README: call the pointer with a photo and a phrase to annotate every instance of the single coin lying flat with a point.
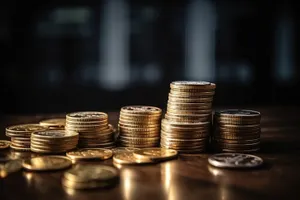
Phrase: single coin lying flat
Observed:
(235, 160)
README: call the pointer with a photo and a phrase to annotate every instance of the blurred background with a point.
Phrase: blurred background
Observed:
(74, 55)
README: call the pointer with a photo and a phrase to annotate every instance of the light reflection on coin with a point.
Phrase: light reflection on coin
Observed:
(90, 153)
(157, 154)
(128, 158)
(4, 144)
(47, 163)
(235, 160)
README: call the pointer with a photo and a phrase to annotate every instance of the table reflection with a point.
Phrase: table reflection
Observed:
(171, 186)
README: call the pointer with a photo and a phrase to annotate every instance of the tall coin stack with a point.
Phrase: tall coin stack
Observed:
(139, 126)
(188, 118)
(20, 135)
(93, 128)
(53, 141)
(236, 131)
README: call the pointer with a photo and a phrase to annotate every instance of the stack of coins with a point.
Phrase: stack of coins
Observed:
(139, 126)
(188, 118)
(90, 177)
(236, 131)
(53, 141)
(93, 128)
(56, 123)
(20, 135)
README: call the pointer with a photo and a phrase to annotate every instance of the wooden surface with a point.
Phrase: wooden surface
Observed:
(188, 177)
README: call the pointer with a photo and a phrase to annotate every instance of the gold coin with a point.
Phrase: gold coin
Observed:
(47, 163)
(84, 185)
(133, 145)
(188, 112)
(238, 113)
(89, 172)
(23, 129)
(19, 148)
(184, 124)
(90, 153)
(192, 85)
(156, 154)
(124, 149)
(193, 94)
(180, 148)
(55, 122)
(129, 159)
(58, 134)
(239, 141)
(87, 116)
(139, 109)
(10, 167)
(237, 150)
(4, 144)
(175, 99)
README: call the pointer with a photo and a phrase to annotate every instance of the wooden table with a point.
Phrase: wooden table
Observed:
(188, 177)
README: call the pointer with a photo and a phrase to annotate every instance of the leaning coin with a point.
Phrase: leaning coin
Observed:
(4, 144)
(47, 163)
(90, 153)
(128, 158)
(235, 160)
(10, 167)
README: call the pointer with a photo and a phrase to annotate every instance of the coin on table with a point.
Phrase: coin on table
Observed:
(128, 158)
(53, 123)
(10, 167)
(139, 109)
(47, 163)
(90, 153)
(4, 144)
(23, 130)
(124, 149)
(235, 160)
(86, 116)
(156, 154)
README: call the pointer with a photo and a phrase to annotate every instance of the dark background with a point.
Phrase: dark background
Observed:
(62, 56)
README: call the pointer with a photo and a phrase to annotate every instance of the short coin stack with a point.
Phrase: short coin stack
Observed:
(93, 128)
(53, 141)
(187, 121)
(90, 177)
(20, 135)
(236, 131)
(139, 126)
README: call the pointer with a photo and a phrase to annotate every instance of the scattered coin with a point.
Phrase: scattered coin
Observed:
(128, 158)
(235, 160)
(90, 177)
(156, 154)
(10, 167)
(47, 163)
(4, 144)
(124, 149)
(90, 154)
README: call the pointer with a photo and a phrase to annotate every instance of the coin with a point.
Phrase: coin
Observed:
(128, 158)
(139, 109)
(47, 163)
(53, 123)
(4, 144)
(238, 113)
(88, 172)
(10, 167)
(235, 160)
(192, 85)
(156, 154)
(25, 128)
(87, 116)
(124, 149)
(90, 153)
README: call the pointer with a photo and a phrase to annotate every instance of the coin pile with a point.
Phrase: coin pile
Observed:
(236, 131)
(56, 123)
(93, 128)
(143, 156)
(90, 177)
(20, 135)
(139, 126)
(53, 141)
(187, 122)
